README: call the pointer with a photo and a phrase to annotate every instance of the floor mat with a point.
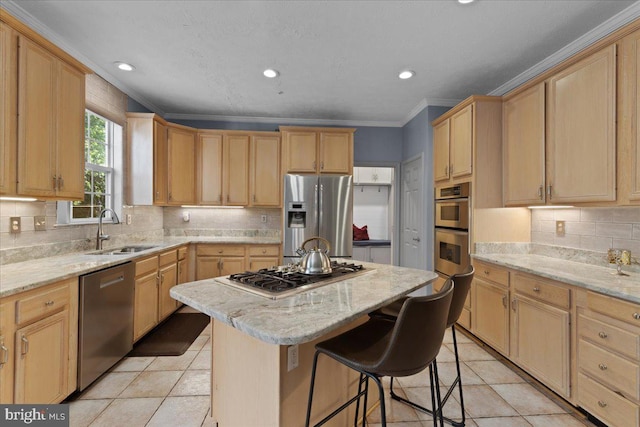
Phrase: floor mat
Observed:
(172, 337)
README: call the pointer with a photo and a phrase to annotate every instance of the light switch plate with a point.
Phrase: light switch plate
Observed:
(40, 223)
(14, 224)
(559, 228)
(292, 357)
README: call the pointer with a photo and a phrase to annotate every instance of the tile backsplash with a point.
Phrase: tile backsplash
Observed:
(200, 218)
(594, 229)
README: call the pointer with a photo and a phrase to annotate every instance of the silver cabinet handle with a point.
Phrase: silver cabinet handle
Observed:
(25, 345)
(446, 170)
(451, 168)
(5, 354)
(540, 192)
(602, 367)
(55, 182)
(504, 301)
(513, 304)
(60, 182)
(486, 272)
(549, 191)
(636, 316)
(602, 404)
(49, 303)
(322, 165)
(602, 335)
(314, 165)
(536, 289)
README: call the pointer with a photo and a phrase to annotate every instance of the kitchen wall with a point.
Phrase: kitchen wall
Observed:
(146, 223)
(594, 229)
(371, 208)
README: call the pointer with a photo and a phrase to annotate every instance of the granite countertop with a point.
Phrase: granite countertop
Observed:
(22, 276)
(589, 276)
(305, 316)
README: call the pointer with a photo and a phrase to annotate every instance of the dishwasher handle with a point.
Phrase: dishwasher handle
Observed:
(118, 279)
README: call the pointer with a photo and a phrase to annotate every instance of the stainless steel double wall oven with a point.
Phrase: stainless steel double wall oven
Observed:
(452, 219)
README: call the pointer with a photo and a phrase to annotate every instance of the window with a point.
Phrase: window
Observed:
(103, 147)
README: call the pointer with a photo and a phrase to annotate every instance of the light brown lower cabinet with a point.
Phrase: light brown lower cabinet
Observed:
(214, 260)
(38, 344)
(491, 313)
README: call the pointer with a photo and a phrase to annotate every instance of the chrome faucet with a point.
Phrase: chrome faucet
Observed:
(100, 237)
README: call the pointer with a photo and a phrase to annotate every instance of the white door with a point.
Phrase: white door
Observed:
(412, 253)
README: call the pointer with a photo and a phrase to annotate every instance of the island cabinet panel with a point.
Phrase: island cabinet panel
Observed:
(277, 396)
(181, 142)
(38, 344)
(524, 146)
(581, 130)
(8, 108)
(441, 151)
(608, 358)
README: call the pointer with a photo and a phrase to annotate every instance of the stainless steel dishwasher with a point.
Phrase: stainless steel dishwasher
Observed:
(105, 321)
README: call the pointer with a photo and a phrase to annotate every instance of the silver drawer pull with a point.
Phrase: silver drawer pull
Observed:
(536, 289)
(602, 367)
(602, 404)
(486, 272)
(602, 334)
(25, 345)
(5, 354)
(636, 316)
(49, 303)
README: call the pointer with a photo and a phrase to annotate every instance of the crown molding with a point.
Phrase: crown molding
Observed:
(431, 102)
(612, 24)
(12, 7)
(282, 120)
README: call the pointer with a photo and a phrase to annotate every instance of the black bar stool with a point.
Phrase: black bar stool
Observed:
(397, 348)
(462, 283)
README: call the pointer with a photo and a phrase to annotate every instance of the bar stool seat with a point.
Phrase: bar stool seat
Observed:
(462, 282)
(397, 348)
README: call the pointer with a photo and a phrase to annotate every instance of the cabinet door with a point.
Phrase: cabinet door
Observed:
(634, 111)
(461, 148)
(160, 164)
(523, 137)
(540, 342)
(491, 314)
(182, 161)
(7, 351)
(8, 108)
(183, 272)
(236, 170)
(380, 254)
(207, 267)
(300, 151)
(36, 120)
(361, 253)
(168, 279)
(42, 360)
(335, 152)
(441, 151)
(256, 264)
(70, 103)
(145, 313)
(581, 145)
(210, 169)
(266, 180)
(232, 265)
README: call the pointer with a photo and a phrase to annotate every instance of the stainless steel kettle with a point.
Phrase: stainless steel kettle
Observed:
(315, 261)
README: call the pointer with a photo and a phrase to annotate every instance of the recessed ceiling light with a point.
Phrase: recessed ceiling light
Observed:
(465, 1)
(124, 66)
(407, 74)
(270, 73)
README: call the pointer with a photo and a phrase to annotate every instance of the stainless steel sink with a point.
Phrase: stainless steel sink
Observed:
(123, 250)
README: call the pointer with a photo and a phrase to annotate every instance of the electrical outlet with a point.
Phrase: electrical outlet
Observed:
(128, 219)
(263, 218)
(14, 224)
(559, 228)
(292, 357)
(186, 216)
(40, 223)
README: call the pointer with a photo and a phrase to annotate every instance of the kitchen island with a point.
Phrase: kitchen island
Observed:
(256, 343)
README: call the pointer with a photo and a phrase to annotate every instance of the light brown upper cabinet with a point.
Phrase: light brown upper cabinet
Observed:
(181, 161)
(441, 151)
(265, 177)
(209, 168)
(581, 133)
(8, 108)
(629, 119)
(453, 145)
(523, 133)
(41, 116)
(317, 150)
(235, 171)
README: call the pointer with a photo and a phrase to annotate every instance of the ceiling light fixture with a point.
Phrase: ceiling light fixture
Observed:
(270, 73)
(465, 1)
(124, 66)
(407, 74)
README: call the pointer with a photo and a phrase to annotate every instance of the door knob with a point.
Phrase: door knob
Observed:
(416, 239)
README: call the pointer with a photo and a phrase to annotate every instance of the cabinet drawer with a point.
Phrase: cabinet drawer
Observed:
(611, 408)
(623, 310)
(41, 304)
(492, 273)
(146, 266)
(170, 257)
(609, 368)
(264, 251)
(543, 291)
(214, 250)
(611, 337)
(182, 253)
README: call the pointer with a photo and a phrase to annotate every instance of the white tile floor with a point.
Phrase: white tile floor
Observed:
(174, 391)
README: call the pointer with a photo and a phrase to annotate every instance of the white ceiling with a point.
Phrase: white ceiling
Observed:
(338, 60)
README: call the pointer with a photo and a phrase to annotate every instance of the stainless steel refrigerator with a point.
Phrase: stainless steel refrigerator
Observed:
(318, 205)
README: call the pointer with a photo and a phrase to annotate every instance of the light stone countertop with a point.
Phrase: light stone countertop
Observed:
(592, 277)
(305, 316)
(23, 276)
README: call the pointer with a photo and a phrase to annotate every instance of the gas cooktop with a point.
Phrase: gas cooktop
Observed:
(280, 282)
